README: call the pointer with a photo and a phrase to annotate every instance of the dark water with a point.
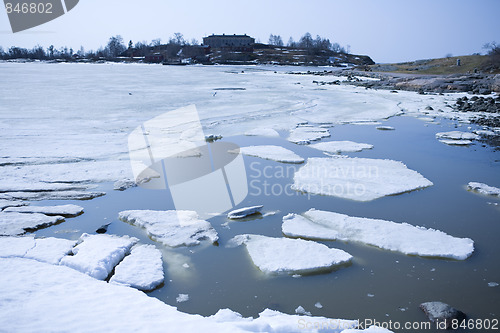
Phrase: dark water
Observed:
(379, 284)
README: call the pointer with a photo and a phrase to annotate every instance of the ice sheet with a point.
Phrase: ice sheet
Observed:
(337, 147)
(262, 131)
(11, 203)
(291, 256)
(274, 153)
(97, 255)
(360, 179)
(62, 299)
(14, 223)
(142, 269)
(63, 210)
(52, 195)
(171, 227)
(49, 250)
(400, 237)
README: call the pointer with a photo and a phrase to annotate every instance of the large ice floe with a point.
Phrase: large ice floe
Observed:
(62, 299)
(388, 235)
(274, 153)
(483, 189)
(14, 223)
(11, 203)
(62, 210)
(304, 134)
(97, 255)
(456, 138)
(142, 269)
(50, 250)
(337, 147)
(360, 179)
(171, 227)
(292, 256)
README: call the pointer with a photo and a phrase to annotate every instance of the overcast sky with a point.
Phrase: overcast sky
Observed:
(386, 30)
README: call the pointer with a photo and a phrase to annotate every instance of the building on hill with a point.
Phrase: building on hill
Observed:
(238, 43)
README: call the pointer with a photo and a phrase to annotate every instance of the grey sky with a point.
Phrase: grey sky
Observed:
(386, 30)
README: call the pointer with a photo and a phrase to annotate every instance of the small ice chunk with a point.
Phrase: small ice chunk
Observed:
(337, 147)
(360, 179)
(385, 128)
(273, 153)
(142, 269)
(262, 131)
(11, 203)
(303, 135)
(300, 310)
(185, 265)
(318, 305)
(485, 133)
(483, 189)
(123, 184)
(370, 295)
(50, 250)
(492, 284)
(245, 211)
(97, 255)
(182, 298)
(14, 223)
(388, 235)
(171, 227)
(457, 135)
(456, 142)
(63, 210)
(292, 256)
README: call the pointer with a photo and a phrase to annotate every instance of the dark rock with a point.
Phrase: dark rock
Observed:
(429, 108)
(439, 312)
(484, 91)
(103, 229)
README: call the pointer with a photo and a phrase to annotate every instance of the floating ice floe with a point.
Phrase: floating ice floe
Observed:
(52, 195)
(171, 227)
(13, 223)
(63, 210)
(456, 142)
(97, 255)
(360, 179)
(337, 147)
(485, 133)
(41, 187)
(303, 135)
(142, 269)
(182, 298)
(49, 250)
(262, 131)
(483, 189)
(245, 211)
(274, 153)
(11, 203)
(301, 311)
(388, 235)
(385, 128)
(63, 299)
(284, 255)
(457, 135)
(123, 184)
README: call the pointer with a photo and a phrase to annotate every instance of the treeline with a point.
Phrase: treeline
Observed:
(307, 42)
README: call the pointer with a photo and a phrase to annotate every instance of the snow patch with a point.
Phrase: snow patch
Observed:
(273, 153)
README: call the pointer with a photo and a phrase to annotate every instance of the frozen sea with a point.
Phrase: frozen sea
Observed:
(68, 124)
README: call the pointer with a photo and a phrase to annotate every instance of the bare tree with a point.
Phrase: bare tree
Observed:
(291, 42)
(306, 41)
(115, 46)
(156, 42)
(177, 39)
(275, 40)
(194, 41)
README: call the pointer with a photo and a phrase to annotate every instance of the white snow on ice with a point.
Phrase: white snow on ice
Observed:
(63, 210)
(97, 255)
(182, 298)
(49, 250)
(304, 134)
(337, 147)
(451, 142)
(142, 269)
(11, 203)
(274, 153)
(388, 235)
(360, 179)
(284, 255)
(301, 311)
(13, 223)
(62, 299)
(262, 132)
(457, 135)
(245, 211)
(171, 227)
(483, 189)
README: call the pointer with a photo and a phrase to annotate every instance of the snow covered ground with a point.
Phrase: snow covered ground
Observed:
(360, 179)
(401, 237)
